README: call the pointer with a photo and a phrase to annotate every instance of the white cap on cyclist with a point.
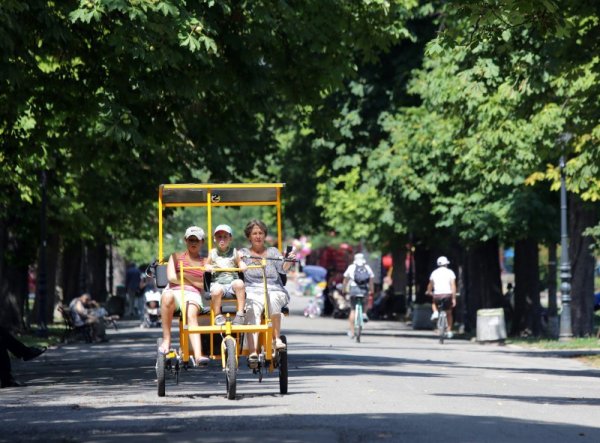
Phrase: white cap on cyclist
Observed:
(443, 261)
(194, 231)
(359, 259)
(223, 228)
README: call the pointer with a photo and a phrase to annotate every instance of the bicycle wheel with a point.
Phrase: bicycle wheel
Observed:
(283, 368)
(442, 324)
(160, 371)
(230, 368)
(358, 321)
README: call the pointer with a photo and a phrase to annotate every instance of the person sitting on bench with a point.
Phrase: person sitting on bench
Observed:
(86, 311)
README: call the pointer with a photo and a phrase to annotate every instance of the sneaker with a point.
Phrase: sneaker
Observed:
(220, 320)
(449, 334)
(435, 315)
(350, 334)
(240, 319)
(279, 344)
(365, 318)
(33, 353)
(253, 360)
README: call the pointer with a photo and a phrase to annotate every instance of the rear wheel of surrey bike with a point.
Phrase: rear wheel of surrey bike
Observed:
(230, 368)
(442, 324)
(358, 320)
(160, 370)
(283, 368)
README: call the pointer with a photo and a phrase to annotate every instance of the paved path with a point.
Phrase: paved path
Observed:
(397, 385)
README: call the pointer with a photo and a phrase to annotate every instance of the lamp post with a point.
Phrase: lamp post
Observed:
(566, 332)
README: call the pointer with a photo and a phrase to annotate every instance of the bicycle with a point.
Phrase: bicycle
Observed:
(442, 321)
(359, 321)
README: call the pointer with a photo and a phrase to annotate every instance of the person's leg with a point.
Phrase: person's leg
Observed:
(95, 328)
(141, 306)
(216, 301)
(192, 314)
(434, 314)
(5, 368)
(449, 316)
(9, 342)
(101, 328)
(253, 316)
(167, 309)
(351, 321)
(130, 304)
(240, 294)
(276, 322)
(278, 300)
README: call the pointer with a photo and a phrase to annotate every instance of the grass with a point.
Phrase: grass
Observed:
(576, 344)
(33, 338)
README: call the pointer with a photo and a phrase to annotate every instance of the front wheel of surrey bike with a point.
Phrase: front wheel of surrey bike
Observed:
(358, 320)
(160, 370)
(230, 368)
(442, 324)
(283, 368)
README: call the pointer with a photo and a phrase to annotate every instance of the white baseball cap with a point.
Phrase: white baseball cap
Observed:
(194, 231)
(224, 228)
(359, 259)
(442, 261)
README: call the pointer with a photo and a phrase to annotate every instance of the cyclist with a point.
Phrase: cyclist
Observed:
(442, 285)
(358, 280)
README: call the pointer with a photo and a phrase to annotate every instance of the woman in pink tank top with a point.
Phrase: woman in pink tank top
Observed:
(193, 285)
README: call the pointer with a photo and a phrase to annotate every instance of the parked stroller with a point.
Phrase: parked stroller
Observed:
(152, 310)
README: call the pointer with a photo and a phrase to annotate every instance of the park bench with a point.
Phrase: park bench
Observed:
(73, 332)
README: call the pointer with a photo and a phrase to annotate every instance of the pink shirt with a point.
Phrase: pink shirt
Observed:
(199, 273)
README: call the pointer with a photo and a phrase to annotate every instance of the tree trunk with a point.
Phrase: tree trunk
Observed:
(483, 284)
(13, 278)
(581, 216)
(70, 269)
(52, 253)
(423, 270)
(527, 315)
(399, 274)
(96, 271)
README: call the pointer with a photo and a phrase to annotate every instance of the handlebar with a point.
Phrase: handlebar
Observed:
(280, 258)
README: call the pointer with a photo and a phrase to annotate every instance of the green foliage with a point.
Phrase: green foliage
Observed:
(114, 97)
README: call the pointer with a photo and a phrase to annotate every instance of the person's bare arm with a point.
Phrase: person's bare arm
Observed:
(429, 290)
(240, 263)
(80, 309)
(345, 284)
(208, 266)
(453, 286)
(288, 264)
(171, 274)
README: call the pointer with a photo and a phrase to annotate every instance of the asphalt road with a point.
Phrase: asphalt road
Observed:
(397, 385)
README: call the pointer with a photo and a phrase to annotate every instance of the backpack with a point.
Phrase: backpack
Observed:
(361, 276)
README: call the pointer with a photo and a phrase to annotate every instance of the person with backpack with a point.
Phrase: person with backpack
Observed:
(358, 282)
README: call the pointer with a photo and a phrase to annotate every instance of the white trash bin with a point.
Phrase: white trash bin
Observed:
(491, 325)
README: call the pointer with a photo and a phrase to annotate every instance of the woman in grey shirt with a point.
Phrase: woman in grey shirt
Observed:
(278, 297)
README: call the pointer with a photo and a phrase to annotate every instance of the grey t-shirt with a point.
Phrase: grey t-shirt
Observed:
(253, 278)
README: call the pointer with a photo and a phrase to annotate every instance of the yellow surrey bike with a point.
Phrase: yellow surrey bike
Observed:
(224, 342)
